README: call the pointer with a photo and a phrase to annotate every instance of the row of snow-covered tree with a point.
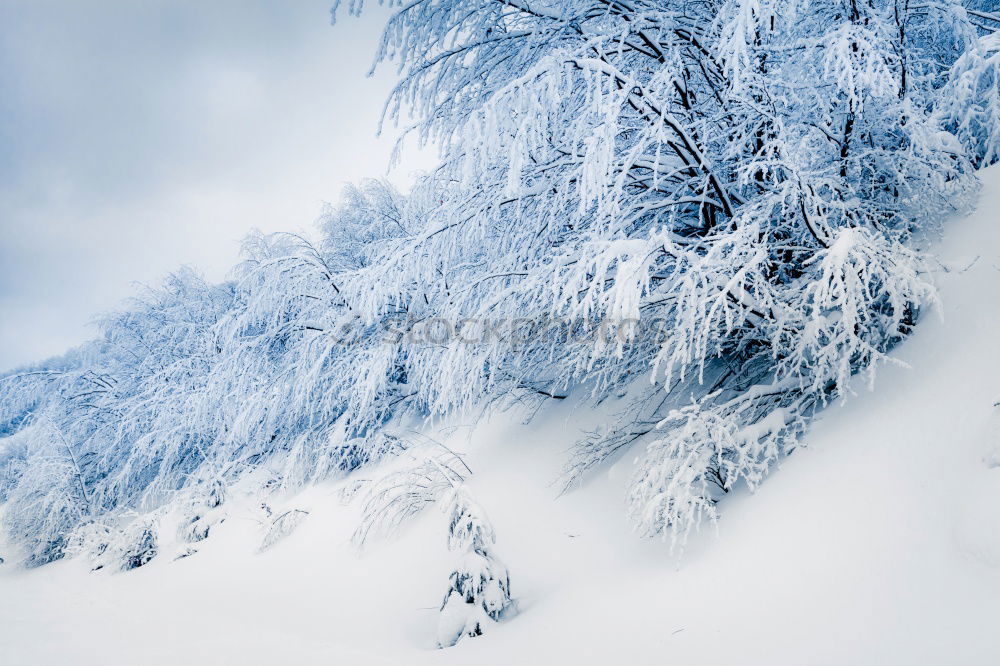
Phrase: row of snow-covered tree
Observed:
(753, 174)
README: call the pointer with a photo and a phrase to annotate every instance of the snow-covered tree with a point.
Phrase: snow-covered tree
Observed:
(747, 173)
(48, 500)
(479, 587)
(971, 99)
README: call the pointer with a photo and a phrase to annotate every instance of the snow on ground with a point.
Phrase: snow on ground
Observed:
(879, 543)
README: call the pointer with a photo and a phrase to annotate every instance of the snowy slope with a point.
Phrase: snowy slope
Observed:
(879, 543)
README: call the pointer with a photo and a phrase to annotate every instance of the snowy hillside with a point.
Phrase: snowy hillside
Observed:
(877, 543)
(598, 388)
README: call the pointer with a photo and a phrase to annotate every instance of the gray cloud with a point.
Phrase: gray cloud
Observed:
(135, 137)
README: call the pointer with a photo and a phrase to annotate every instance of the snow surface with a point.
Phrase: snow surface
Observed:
(879, 543)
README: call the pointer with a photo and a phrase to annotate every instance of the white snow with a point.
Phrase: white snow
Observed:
(879, 543)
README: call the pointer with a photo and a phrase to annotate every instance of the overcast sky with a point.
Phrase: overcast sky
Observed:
(139, 136)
